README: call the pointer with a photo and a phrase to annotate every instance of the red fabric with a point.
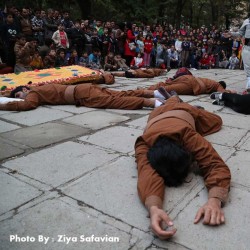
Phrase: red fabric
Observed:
(130, 38)
(181, 72)
(6, 70)
(148, 45)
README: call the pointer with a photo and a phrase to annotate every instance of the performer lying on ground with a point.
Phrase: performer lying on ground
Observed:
(87, 95)
(172, 140)
(191, 85)
(140, 73)
(239, 103)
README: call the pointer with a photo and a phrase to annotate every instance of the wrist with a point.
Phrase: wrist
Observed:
(216, 200)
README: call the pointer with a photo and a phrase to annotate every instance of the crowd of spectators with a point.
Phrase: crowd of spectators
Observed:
(38, 39)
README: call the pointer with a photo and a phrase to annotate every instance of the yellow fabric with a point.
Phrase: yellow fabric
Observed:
(63, 75)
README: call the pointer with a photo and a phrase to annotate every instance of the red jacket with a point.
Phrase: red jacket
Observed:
(130, 38)
(148, 46)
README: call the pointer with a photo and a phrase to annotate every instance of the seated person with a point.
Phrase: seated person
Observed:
(204, 62)
(233, 61)
(137, 62)
(121, 62)
(36, 61)
(109, 62)
(84, 59)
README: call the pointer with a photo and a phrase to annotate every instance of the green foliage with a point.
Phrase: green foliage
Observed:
(196, 12)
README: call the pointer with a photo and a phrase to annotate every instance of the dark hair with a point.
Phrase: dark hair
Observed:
(170, 160)
(223, 84)
(17, 89)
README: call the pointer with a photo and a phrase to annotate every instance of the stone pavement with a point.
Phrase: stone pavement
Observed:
(69, 173)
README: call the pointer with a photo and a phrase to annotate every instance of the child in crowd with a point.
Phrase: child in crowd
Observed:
(148, 46)
(95, 59)
(50, 59)
(204, 62)
(109, 62)
(73, 59)
(137, 62)
(121, 62)
(60, 38)
(61, 58)
(36, 62)
(233, 61)
(84, 59)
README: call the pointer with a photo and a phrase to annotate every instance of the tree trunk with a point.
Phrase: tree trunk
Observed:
(85, 8)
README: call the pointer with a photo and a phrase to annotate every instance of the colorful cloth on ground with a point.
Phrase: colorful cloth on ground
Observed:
(64, 75)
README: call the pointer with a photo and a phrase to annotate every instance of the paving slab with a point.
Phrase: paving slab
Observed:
(115, 190)
(7, 149)
(118, 138)
(228, 136)
(235, 120)
(71, 108)
(245, 143)
(5, 126)
(44, 134)
(139, 123)
(60, 163)
(14, 193)
(239, 166)
(96, 119)
(199, 236)
(37, 116)
(57, 220)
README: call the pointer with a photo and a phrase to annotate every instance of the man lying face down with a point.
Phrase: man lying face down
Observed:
(86, 94)
(172, 140)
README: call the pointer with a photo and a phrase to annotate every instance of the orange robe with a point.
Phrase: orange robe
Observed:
(215, 172)
(190, 85)
(87, 95)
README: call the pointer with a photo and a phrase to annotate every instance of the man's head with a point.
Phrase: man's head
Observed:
(223, 84)
(170, 160)
(20, 92)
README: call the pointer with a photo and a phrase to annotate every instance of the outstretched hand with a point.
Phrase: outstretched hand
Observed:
(158, 217)
(212, 213)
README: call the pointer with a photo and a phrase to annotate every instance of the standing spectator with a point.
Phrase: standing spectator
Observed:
(95, 41)
(185, 45)
(78, 38)
(24, 52)
(148, 46)
(233, 61)
(99, 27)
(60, 38)
(67, 23)
(129, 52)
(105, 39)
(178, 47)
(50, 24)
(173, 55)
(121, 38)
(140, 44)
(38, 27)
(25, 22)
(9, 33)
(163, 59)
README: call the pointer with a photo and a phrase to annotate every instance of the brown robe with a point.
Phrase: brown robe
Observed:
(190, 85)
(87, 95)
(215, 172)
(142, 73)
